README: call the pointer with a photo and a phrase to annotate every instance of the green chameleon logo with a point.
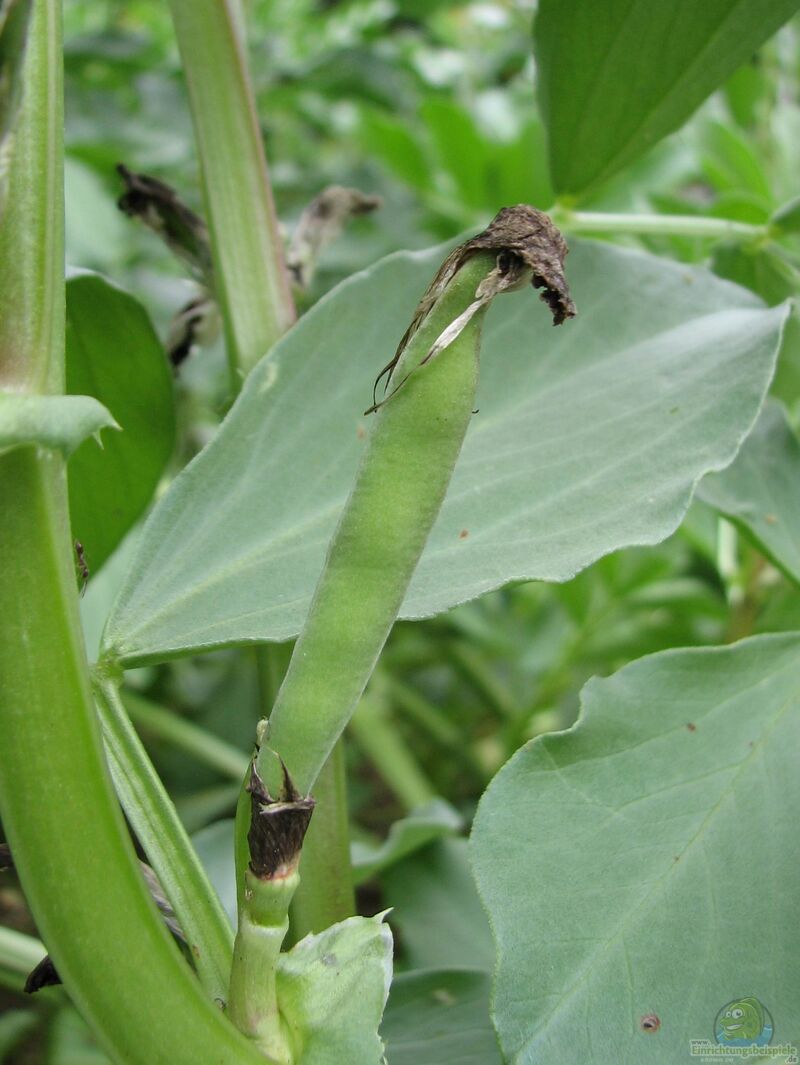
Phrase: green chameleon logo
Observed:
(743, 1022)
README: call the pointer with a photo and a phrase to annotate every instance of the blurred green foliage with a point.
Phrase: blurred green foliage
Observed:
(432, 106)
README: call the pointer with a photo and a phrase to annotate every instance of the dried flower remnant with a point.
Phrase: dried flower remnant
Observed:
(529, 248)
(320, 224)
(277, 827)
(163, 211)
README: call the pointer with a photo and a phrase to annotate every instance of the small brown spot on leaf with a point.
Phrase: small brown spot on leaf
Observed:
(651, 1022)
(444, 997)
(195, 950)
(771, 519)
(691, 726)
(361, 432)
(463, 534)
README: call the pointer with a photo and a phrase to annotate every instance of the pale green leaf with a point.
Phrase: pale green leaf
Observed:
(332, 989)
(440, 1017)
(59, 423)
(589, 438)
(760, 490)
(422, 826)
(615, 76)
(644, 861)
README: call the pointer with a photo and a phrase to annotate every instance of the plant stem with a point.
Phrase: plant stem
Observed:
(670, 225)
(325, 894)
(153, 818)
(32, 229)
(171, 727)
(251, 282)
(70, 844)
(253, 1002)
(278, 824)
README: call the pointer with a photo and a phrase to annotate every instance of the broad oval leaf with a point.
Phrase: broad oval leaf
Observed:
(114, 354)
(760, 490)
(644, 862)
(59, 423)
(615, 76)
(589, 438)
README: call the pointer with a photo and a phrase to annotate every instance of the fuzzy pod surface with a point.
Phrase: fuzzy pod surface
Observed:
(401, 483)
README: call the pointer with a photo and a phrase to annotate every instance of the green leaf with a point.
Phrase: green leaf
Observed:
(615, 77)
(114, 355)
(332, 989)
(766, 271)
(14, 19)
(436, 909)
(759, 490)
(642, 862)
(429, 822)
(60, 423)
(787, 218)
(589, 438)
(440, 1018)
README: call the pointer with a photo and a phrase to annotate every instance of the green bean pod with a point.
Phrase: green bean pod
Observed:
(401, 483)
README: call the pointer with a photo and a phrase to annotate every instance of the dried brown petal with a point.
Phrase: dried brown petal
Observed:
(277, 827)
(528, 244)
(320, 224)
(162, 210)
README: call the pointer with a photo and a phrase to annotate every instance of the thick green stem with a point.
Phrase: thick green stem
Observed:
(251, 282)
(155, 821)
(70, 843)
(31, 222)
(326, 893)
(253, 1003)
(668, 225)
(277, 827)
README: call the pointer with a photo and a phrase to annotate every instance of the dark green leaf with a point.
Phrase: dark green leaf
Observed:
(437, 911)
(14, 18)
(615, 76)
(440, 1017)
(113, 354)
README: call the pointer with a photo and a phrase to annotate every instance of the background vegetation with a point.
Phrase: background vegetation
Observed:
(431, 106)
